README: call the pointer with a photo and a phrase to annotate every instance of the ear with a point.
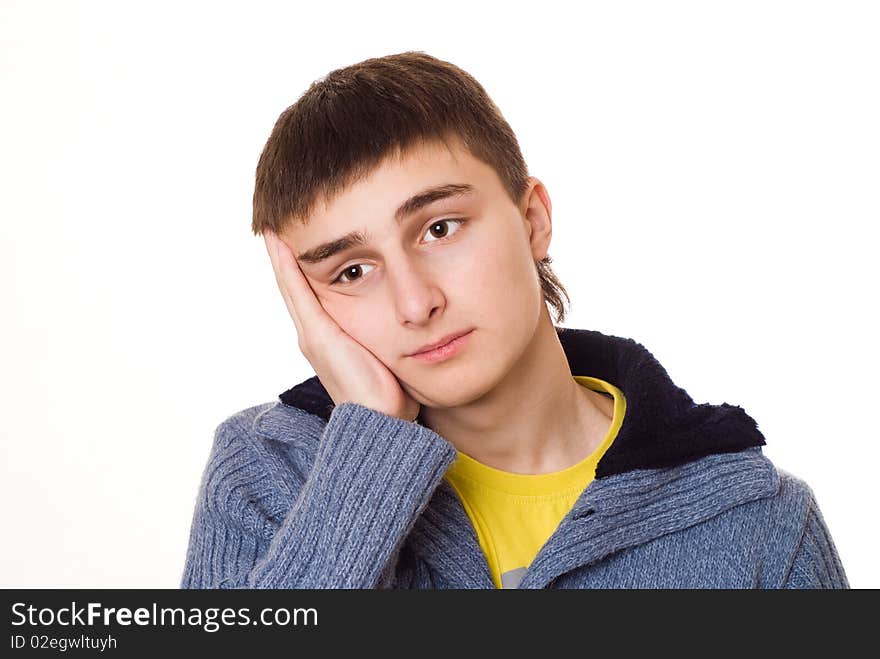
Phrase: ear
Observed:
(536, 211)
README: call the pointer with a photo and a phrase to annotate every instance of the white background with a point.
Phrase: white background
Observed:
(713, 168)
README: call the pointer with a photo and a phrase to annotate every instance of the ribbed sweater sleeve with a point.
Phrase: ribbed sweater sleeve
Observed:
(372, 476)
(816, 562)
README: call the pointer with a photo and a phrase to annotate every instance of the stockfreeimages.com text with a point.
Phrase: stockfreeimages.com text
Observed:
(209, 619)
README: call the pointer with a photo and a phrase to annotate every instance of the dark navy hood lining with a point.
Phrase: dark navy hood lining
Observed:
(662, 427)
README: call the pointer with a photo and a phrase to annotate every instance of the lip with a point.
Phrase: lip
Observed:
(444, 348)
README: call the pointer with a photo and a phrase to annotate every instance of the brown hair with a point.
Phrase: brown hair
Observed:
(350, 121)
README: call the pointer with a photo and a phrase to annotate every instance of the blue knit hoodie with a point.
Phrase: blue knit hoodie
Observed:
(302, 493)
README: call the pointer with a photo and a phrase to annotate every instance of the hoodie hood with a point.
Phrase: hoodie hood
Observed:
(662, 427)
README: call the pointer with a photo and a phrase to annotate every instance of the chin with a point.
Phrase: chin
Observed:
(455, 388)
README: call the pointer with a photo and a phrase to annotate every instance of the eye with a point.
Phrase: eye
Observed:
(350, 274)
(357, 267)
(441, 223)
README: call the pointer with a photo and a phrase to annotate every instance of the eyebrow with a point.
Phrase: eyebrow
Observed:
(408, 208)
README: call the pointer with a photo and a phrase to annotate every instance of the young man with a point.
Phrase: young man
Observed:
(399, 216)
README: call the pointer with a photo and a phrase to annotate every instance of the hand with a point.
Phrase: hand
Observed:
(348, 371)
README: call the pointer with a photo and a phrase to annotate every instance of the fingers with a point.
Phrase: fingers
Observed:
(291, 281)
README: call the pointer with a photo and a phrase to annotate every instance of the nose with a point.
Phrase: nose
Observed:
(416, 295)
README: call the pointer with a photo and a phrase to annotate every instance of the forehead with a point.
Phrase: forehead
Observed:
(372, 200)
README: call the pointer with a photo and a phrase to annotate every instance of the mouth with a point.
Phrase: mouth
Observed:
(447, 347)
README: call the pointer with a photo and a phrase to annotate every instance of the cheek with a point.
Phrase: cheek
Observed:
(499, 273)
(358, 318)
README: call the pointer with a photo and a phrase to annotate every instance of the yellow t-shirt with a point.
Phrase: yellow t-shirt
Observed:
(515, 514)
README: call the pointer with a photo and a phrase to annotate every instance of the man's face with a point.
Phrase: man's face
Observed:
(463, 261)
